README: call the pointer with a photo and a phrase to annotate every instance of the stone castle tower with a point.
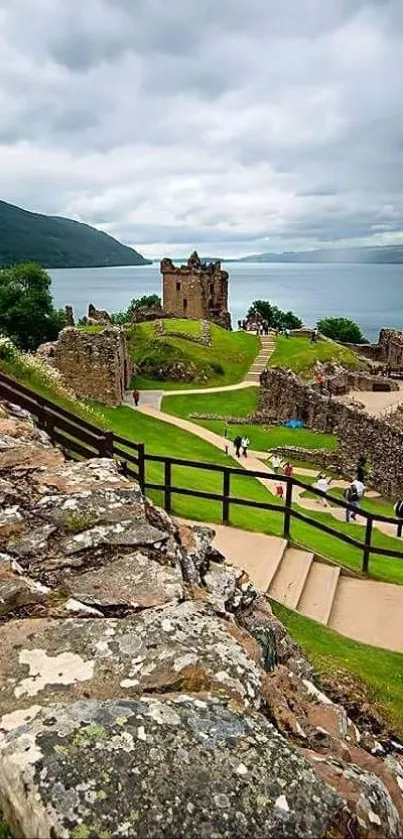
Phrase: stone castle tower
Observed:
(196, 290)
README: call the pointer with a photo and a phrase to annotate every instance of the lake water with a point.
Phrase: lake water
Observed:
(370, 294)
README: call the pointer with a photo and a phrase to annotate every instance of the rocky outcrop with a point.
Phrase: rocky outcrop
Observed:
(146, 689)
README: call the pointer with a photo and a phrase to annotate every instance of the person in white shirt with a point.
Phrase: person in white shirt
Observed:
(276, 463)
(360, 487)
(323, 484)
(245, 445)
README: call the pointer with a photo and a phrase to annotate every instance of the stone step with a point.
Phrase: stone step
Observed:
(369, 611)
(260, 561)
(317, 598)
(289, 581)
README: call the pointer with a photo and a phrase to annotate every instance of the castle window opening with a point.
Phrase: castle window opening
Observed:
(178, 286)
(185, 304)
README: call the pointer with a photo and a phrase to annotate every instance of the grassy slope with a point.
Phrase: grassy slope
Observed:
(185, 325)
(241, 403)
(225, 362)
(380, 670)
(300, 355)
(161, 438)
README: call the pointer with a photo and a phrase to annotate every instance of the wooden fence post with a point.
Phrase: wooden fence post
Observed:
(142, 466)
(367, 545)
(168, 484)
(226, 495)
(287, 509)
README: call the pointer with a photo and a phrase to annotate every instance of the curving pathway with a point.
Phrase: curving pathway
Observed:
(254, 463)
(154, 398)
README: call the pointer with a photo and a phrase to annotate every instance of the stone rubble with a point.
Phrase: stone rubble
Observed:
(146, 688)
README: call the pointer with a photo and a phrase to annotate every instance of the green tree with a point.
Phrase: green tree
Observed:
(342, 329)
(27, 314)
(275, 317)
(144, 302)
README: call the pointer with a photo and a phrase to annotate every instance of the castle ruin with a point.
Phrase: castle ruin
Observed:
(94, 365)
(196, 290)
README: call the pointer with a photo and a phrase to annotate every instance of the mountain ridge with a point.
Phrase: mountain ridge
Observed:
(57, 242)
(386, 254)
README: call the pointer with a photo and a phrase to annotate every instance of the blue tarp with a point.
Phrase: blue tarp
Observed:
(294, 424)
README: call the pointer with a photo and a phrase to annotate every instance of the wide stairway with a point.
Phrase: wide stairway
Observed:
(363, 609)
(267, 343)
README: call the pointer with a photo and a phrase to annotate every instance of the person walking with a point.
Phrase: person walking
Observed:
(360, 487)
(245, 445)
(288, 470)
(352, 498)
(360, 475)
(280, 491)
(323, 484)
(398, 508)
(237, 445)
(136, 397)
(276, 463)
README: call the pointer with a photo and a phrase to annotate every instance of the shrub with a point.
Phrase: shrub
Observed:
(342, 329)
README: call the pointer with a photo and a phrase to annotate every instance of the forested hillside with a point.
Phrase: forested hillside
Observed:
(58, 242)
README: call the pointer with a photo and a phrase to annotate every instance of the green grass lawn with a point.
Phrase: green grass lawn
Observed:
(231, 403)
(300, 355)
(242, 403)
(225, 362)
(161, 438)
(185, 325)
(379, 670)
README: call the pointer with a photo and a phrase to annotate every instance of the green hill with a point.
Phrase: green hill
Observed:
(58, 242)
(225, 362)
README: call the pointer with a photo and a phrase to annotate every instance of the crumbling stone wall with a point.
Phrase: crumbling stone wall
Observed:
(283, 396)
(196, 290)
(96, 366)
(388, 350)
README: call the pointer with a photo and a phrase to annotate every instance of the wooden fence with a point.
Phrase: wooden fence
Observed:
(80, 439)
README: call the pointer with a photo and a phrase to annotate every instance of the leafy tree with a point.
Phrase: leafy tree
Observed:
(144, 302)
(342, 329)
(275, 317)
(27, 314)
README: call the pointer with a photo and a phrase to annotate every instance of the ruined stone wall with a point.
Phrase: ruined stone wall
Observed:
(371, 351)
(284, 397)
(389, 348)
(196, 291)
(96, 366)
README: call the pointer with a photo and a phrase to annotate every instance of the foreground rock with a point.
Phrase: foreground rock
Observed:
(146, 689)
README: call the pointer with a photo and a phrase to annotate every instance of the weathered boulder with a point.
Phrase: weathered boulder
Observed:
(146, 689)
(184, 767)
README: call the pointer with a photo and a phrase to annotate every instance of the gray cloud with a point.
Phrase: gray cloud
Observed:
(240, 126)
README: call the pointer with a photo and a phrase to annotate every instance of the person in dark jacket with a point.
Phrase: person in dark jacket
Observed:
(398, 508)
(352, 498)
(237, 445)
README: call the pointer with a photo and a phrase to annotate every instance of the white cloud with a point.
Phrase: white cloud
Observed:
(230, 126)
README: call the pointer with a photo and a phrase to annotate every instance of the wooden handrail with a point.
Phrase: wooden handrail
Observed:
(86, 440)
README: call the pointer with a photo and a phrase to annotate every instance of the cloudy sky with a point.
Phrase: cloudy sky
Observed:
(233, 126)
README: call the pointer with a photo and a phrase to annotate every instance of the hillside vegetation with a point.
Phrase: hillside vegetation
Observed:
(225, 362)
(58, 242)
(300, 354)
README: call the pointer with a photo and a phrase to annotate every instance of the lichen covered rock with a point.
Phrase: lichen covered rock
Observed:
(146, 689)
